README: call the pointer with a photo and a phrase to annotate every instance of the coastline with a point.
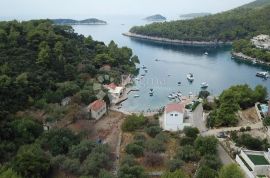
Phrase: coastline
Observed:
(177, 42)
(248, 58)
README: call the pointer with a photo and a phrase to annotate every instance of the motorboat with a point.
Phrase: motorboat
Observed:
(172, 96)
(204, 85)
(254, 61)
(206, 53)
(190, 77)
(156, 60)
(262, 74)
(136, 96)
(179, 83)
(179, 94)
(144, 67)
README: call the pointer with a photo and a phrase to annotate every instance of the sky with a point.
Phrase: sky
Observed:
(34, 9)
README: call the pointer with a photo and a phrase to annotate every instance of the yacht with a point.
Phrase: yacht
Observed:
(204, 85)
(190, 77)
(262, 74)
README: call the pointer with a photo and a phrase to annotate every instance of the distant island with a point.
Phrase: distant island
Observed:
(240, 23)
(156, 17)
(91, 21)
(194, 15)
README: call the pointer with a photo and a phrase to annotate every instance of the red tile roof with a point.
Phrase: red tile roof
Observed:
(179, 107)
(97, 105)
(111, 85)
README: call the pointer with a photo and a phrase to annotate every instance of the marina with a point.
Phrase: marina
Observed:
(168, 66)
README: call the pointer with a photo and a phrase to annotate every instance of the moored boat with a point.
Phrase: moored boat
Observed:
(204, 85)
(190, 77)
(262, 74)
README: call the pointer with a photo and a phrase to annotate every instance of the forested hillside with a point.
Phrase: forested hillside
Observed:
(239, 23)
(40, 64)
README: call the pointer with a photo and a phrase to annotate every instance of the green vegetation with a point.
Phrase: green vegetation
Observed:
(266, 121)
(231, 171)
(175, 174)
(240, 23)
(246, 47)
(41, 64)
(250, 142)
(130, 168)
(231, 100)
(258, 159)
(133, 122)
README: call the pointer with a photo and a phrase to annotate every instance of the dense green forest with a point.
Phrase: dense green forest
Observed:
(40, 64)
(240, 23)
(246, 47)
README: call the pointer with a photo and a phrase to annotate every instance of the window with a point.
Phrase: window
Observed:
(176, 115)
(171, 114)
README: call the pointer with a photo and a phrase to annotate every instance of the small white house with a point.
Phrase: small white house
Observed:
(97, 109)
(174, 117)
(254, 163)
(115, 92)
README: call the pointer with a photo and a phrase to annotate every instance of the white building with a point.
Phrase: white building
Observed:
(97, 109)
(174, 117)
(254, 163)
(115, 92)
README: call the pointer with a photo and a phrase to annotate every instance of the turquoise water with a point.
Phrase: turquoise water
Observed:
(264, 108)
(175, 62)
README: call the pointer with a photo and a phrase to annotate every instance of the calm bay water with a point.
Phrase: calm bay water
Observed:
(175, 62)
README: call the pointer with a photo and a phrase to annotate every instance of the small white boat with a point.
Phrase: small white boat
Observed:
(190, 77)
(206, 53)
(146, 70)
(137, 79)
(262, 74)
(179, 94)
(254, 61)
(204, 85)
(144, 67)
(136, 96)
(190, 93)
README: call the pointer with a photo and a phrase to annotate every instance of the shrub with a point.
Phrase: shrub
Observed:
(191, 132)
(187, 153)
(155, 146)
(266, 121)
(204, 94)
(175, 174)
(250, 142)
(134, 149)
(186, 141)
(242, 129)
(162, 137)
(139, 137)
(131, 123)
(206, 145)
(175, 164)
(153, 159)
(206, 172)
(248, 128)
(211, 161)
(153, 130)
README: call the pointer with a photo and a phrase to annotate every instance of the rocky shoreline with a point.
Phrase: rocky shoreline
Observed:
(177, 42)
(248, 58)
